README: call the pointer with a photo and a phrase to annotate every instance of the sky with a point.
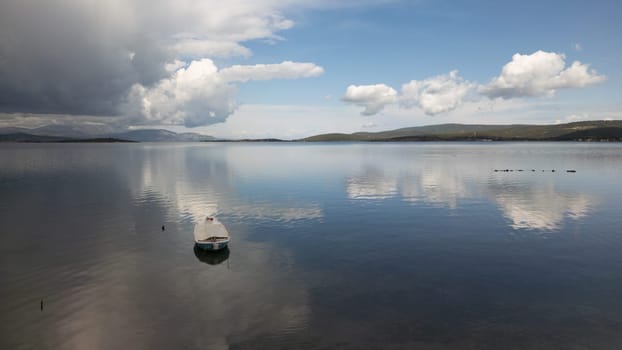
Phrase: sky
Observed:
(292, 68)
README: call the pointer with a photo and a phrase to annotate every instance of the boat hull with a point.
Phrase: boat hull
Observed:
(213, 245)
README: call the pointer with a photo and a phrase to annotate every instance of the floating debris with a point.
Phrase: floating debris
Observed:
(41, 304)
(532, 170)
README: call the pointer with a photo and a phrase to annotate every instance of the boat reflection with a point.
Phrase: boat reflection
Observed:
(211, 257)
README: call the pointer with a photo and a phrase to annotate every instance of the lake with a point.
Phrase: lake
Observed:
(342, 245)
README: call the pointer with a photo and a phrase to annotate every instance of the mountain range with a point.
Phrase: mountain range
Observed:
(599, 130)
(57, 133)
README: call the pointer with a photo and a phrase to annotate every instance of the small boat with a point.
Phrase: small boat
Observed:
(211, 234)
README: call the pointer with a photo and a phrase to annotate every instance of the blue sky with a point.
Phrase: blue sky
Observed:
(220, 69)
(400, 41)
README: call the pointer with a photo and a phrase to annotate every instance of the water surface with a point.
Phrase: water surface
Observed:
(399, 246)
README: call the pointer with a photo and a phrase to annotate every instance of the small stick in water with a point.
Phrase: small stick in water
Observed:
(41, 304)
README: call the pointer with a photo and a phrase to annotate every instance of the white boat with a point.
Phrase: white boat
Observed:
(211, 234)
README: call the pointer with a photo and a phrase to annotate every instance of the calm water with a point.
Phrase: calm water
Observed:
(418, 245)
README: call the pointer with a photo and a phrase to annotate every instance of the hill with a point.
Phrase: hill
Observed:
(24, 137)
(160, 135)
(69, 134)
(578, 131)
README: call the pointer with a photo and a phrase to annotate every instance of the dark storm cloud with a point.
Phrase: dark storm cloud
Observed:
(64, 57)
(134, 58)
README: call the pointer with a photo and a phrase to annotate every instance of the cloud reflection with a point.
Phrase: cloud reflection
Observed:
(529, 200)
(372, 184)
(275, 213)
(432, 186)
(204, 186)
(211, 306)
(541, 208)
(437, 188)
(137, 286)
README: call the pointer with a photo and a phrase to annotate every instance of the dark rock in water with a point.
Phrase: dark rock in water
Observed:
(533, 170)
(553, 170)
(571, 171)
(520, 170)
(163, 228)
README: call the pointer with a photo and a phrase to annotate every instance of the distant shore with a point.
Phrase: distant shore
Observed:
(586, 131)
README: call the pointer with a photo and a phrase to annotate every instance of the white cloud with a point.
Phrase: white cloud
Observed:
(212, 28)
(283, 70)
(172, 67)
(56, 54)
(373, 97)
(436, 95)
(578, 75)
(192, 96)
(209, 48)
(200, 94)
(539, 74)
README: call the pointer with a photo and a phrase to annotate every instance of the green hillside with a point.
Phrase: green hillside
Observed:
(579, 131)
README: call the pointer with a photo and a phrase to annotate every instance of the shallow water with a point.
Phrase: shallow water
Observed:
(409, 245)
